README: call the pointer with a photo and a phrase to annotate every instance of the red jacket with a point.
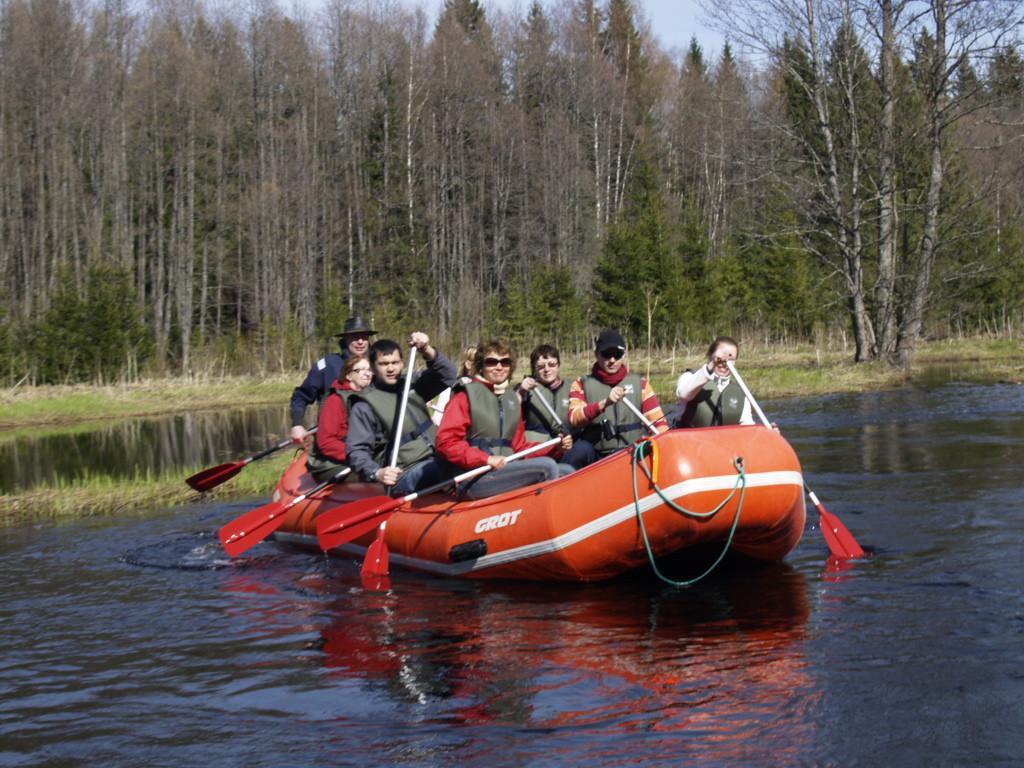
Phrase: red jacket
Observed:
(332, 424)
(451, 443)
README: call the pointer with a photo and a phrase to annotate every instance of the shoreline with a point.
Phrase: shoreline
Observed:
(772, 372)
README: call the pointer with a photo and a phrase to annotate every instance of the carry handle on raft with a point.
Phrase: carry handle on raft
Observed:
(341, 525)
(841, 543)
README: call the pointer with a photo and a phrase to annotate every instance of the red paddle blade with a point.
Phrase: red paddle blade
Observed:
(214, 476)
(841, 542)
(375, 564)
(250, 529)
(334, 526)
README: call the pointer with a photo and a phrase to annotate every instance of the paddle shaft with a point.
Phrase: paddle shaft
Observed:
(647, 422)
(551, 410)
(335, 478)
(401, 410)
(469, 475)
(274, 448)
(386, 506)
(211, 477)
(376, 561)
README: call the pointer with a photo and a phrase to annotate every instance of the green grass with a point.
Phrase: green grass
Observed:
(64, 405)
(99, 494)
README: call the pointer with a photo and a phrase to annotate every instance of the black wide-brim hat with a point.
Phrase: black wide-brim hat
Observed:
(355, 325)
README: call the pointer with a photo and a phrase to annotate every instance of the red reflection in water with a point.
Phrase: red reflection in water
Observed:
(721, 666)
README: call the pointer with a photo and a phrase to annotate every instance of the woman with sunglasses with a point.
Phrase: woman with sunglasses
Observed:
(329, 454)
(595, 401)
(482, 425)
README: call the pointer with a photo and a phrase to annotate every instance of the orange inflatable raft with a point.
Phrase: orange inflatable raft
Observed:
(679, 490)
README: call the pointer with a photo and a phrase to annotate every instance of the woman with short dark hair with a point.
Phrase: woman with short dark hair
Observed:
(482, 426)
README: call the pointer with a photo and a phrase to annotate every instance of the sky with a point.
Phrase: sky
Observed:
(673, 22)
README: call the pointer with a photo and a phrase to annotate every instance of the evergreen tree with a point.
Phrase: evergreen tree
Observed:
(636, 281)
(97, 335)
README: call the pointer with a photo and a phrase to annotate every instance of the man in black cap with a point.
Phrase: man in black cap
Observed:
(354, 340)
(595, 401)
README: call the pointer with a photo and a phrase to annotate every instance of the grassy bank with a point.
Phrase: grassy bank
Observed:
(104, 494)
(771, 371)
(74, 404)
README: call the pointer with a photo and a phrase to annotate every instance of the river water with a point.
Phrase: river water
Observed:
(132, 640)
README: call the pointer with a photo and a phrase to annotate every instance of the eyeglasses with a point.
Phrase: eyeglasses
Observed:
(615, 353)
(551, 364)
(361, 370)
(495, 361)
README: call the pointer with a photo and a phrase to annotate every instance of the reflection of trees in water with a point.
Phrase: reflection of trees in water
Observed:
(723, 660)
(950, 429)
(139, 447)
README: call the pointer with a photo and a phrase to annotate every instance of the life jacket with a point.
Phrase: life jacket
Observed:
(316, 455)
(418, 430)
(617, 426)
(711, 408)
(493, 418)
(538, 422)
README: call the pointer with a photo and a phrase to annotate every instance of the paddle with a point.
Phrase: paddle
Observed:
(841, 543)
(550, 409)
(341, 525)
(639, 413)
(214, 476)
(250, 529)
(376, 561)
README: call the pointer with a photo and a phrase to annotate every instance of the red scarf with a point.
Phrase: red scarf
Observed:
(609, 379)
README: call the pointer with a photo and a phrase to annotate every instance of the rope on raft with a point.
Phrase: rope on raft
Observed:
(639, 452)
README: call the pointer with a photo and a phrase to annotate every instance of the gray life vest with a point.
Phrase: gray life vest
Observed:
(493, 418)
(418, 429)
(538, 422)
(711, 408)
(617, 426)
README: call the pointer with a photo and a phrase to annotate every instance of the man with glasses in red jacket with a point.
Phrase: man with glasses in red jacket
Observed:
(596, 401)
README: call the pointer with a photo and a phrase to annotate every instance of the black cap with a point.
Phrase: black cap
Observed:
(609, 339)
(356, 325)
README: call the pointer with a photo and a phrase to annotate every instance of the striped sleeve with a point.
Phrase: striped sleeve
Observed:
(580, 411)
(652, 408)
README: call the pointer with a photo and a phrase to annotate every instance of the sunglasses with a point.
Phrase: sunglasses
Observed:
(494, 361)
(615, 353)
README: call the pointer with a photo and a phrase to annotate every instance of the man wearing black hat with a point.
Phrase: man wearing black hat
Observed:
(595, 401)
(354, 340)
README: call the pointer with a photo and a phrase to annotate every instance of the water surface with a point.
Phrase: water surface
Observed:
(133, 641)
(131, 448)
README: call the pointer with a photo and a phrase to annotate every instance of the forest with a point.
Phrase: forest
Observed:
(196, 188)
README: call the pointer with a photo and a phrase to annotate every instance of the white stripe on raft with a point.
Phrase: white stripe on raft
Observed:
(567, 539)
